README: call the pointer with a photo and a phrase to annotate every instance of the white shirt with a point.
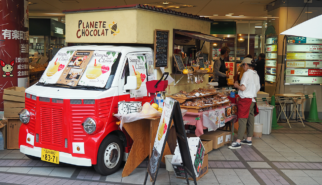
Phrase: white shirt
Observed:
(250, 80)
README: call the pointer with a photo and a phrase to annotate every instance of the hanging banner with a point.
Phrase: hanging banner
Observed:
(304, 64)
(303, 40)
(304, 48)
(56, 66)
(303, 80)
(137, 67)
(271, 40)
(271, 55)
(271, 48)
(270, 63)
(99, 69)
(270, 78)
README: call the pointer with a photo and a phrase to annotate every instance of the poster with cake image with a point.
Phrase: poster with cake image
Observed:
(75, 68)
(56, 66)
(98, 69)
(160, 138)
(137, 67)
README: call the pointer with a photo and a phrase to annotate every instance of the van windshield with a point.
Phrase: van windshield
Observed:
(81, 69)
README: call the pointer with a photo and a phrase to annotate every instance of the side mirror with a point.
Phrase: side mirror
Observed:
(131, 83)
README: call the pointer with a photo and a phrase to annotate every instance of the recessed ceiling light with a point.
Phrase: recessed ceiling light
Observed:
(165, 2)
(215, 15)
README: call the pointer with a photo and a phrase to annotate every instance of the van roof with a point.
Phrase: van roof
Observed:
(108, 47)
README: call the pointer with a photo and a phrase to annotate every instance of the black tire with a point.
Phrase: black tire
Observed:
(32, 157)
(113, 142)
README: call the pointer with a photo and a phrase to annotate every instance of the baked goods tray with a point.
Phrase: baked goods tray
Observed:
(181, 99)
(196, 109)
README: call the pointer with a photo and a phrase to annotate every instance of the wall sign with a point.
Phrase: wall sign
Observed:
(161, 48)
(304, 56)
(271, 48)
(303, 40)
(271, 71)
(272, 40)
(304, 48)
(302, 80)
(271, 56)
(270, 78)
(304, 64)
(304, 72)
(179, 62)
(270, 63)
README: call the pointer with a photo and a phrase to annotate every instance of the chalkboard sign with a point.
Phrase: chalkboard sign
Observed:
(161, 47)
(179, 62)
(171, 111)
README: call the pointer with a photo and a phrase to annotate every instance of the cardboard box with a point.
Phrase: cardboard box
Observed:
(227, 137)
(208, 144)
(12, 109)
(13, 127)
(3, 130)
(179, 171)
(216, 136)
(16, 94)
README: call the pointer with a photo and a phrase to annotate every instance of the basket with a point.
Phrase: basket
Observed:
(154, 86)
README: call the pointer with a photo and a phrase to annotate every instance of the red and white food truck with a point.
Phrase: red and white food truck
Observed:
(68, 115)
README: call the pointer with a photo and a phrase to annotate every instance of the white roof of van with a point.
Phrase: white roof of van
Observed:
(108, 47)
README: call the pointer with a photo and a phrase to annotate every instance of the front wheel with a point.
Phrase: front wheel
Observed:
(110, 155)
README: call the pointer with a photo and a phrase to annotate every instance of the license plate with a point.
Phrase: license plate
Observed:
(51, 156)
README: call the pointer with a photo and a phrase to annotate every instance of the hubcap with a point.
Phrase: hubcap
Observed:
(112, 155)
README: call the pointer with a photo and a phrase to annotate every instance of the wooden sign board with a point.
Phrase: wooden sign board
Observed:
(161, 48)
(75, 68)
(171, 111)
(179, 62)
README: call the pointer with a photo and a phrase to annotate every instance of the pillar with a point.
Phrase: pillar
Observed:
(14, 52)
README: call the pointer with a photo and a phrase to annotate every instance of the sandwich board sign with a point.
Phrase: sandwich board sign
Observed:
(171, 111)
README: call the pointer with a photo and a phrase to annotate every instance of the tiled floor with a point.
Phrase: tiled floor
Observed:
(286, 157)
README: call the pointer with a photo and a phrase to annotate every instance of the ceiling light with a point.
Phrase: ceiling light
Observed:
(228, 36)
(241, 39)
(215, 15)
(308, 12)
(166, 2)
(214, 44)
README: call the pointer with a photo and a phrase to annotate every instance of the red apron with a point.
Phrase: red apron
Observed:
(243, 106)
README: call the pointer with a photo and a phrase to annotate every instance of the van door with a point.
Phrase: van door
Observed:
(135, 65)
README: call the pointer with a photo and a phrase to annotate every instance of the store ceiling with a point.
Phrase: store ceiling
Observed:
(250, 9)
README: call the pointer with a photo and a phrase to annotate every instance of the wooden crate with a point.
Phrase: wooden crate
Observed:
(13, 127)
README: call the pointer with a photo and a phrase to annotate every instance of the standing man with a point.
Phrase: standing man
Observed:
(260, 68)
(246, 105)
(220, 69)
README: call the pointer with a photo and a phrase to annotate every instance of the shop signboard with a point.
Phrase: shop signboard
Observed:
(304, 72)
(271, 56)
(56, 66)
(272, 40)
(304, 48)
(303, 40)
(304, 56)
(304, 64)
(303, 80)
(270, 78)
(270, 63)
(99, 69)
(270, 70)
(271, 48)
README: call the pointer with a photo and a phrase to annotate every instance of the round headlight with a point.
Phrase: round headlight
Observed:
(24, 116)
(89, 125)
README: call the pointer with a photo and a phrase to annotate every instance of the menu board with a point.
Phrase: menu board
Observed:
(75, 68)
(303, 40)
(137, 67)
(56, 66)
(303, 61)
(179, 62)
(271, 59)
(161, 47)
(99, 69)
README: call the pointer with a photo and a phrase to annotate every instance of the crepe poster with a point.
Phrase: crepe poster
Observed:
(56, 66)
(75, 68)
(137, 65)
(98, 69)
(160, 137)
(150, 64)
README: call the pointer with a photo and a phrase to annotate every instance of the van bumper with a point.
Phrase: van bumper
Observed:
(63, 157)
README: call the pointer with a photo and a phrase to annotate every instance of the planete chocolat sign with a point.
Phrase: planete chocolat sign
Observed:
(96, 29)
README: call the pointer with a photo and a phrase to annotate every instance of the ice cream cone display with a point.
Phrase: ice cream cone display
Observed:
(138, 78)
(94, 71)
(53, 68)
(161, 130)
